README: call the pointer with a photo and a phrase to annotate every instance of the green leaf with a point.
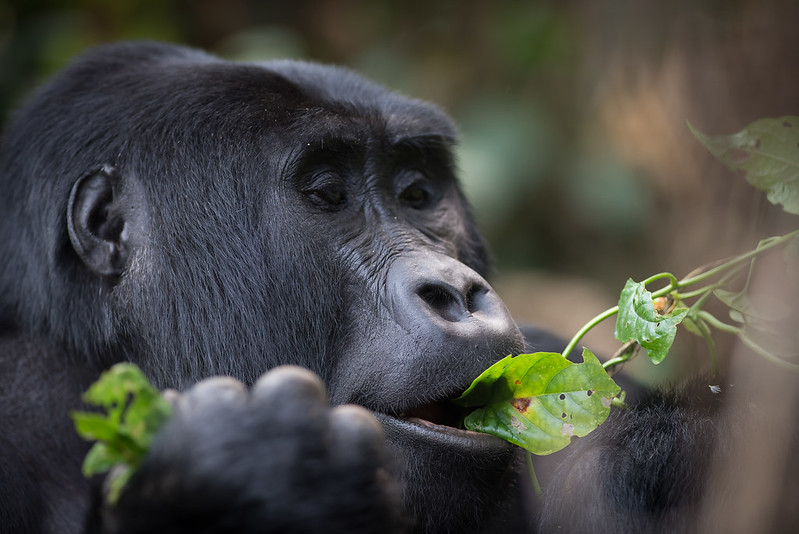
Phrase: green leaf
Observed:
(539, 401)
(638, 321)
(146, 411)
(768, 152)
(95, 426)
(116, 384)
(100, 459)
(135, 412)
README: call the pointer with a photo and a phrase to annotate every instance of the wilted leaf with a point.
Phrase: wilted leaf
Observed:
(638, 321)
(539, 401)
(768, 152)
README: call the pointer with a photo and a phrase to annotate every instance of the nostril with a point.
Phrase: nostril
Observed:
(474, 297)
(445, 300)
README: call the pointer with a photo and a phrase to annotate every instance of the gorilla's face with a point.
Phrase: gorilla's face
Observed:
(369, 190)
(238, 217)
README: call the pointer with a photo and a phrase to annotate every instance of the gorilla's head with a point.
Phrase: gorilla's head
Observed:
(201, 217)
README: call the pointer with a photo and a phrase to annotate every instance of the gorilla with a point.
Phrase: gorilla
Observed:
(297, 232)
(203, 218)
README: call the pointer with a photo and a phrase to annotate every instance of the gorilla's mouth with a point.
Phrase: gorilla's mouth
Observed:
(441, 415)
(440, 424)
(440, 421)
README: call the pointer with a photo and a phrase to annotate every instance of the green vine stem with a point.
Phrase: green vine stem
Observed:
(764, 245)
(588, 326)
(719, 325)
(731, 267)
(749, 342)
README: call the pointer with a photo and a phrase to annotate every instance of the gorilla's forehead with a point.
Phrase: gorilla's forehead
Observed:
(345, 102)
(169, 95)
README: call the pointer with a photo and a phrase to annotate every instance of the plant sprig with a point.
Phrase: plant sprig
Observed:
(134, 413)
(522, 399)
(695, 318)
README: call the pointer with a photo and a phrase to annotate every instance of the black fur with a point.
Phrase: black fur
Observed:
(643, 470)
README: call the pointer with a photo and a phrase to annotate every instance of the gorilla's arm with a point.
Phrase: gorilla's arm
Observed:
(276, 459)
(644, 470)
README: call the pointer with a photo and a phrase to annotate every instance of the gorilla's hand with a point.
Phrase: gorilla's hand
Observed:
(274, 459)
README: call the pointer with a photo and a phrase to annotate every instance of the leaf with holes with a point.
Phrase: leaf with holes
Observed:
(639, 321)
(768, 152)
(540, 401)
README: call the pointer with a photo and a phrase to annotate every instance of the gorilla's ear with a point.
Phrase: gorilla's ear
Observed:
(96, 220)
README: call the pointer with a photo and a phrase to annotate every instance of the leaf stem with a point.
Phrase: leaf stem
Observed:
(709, 288)
(673, 283)
(764, 245)
(719, 325)
(703, 297)
(627, 352)
(588, 326)
(749, 342)
(531, 470)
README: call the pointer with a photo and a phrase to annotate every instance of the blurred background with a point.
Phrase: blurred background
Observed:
(575, 150)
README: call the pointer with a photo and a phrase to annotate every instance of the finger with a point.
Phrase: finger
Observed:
(212, 394)
(355, 435)
(289, 384)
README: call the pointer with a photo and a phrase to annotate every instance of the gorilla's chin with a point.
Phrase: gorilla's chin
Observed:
(452, 480)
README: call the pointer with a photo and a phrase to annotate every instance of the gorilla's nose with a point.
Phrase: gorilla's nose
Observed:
(438, 295)
(450, 302)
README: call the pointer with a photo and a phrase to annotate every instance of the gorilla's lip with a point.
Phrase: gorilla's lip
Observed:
(440, 422)
(422, 430)
(441, 414)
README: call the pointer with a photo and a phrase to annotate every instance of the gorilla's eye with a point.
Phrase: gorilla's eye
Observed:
(329, 196)
(418, 195)
(414, 196)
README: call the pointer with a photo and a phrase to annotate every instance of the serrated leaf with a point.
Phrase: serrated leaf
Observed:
(638, 321)
(768, 152)
(540, 401)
